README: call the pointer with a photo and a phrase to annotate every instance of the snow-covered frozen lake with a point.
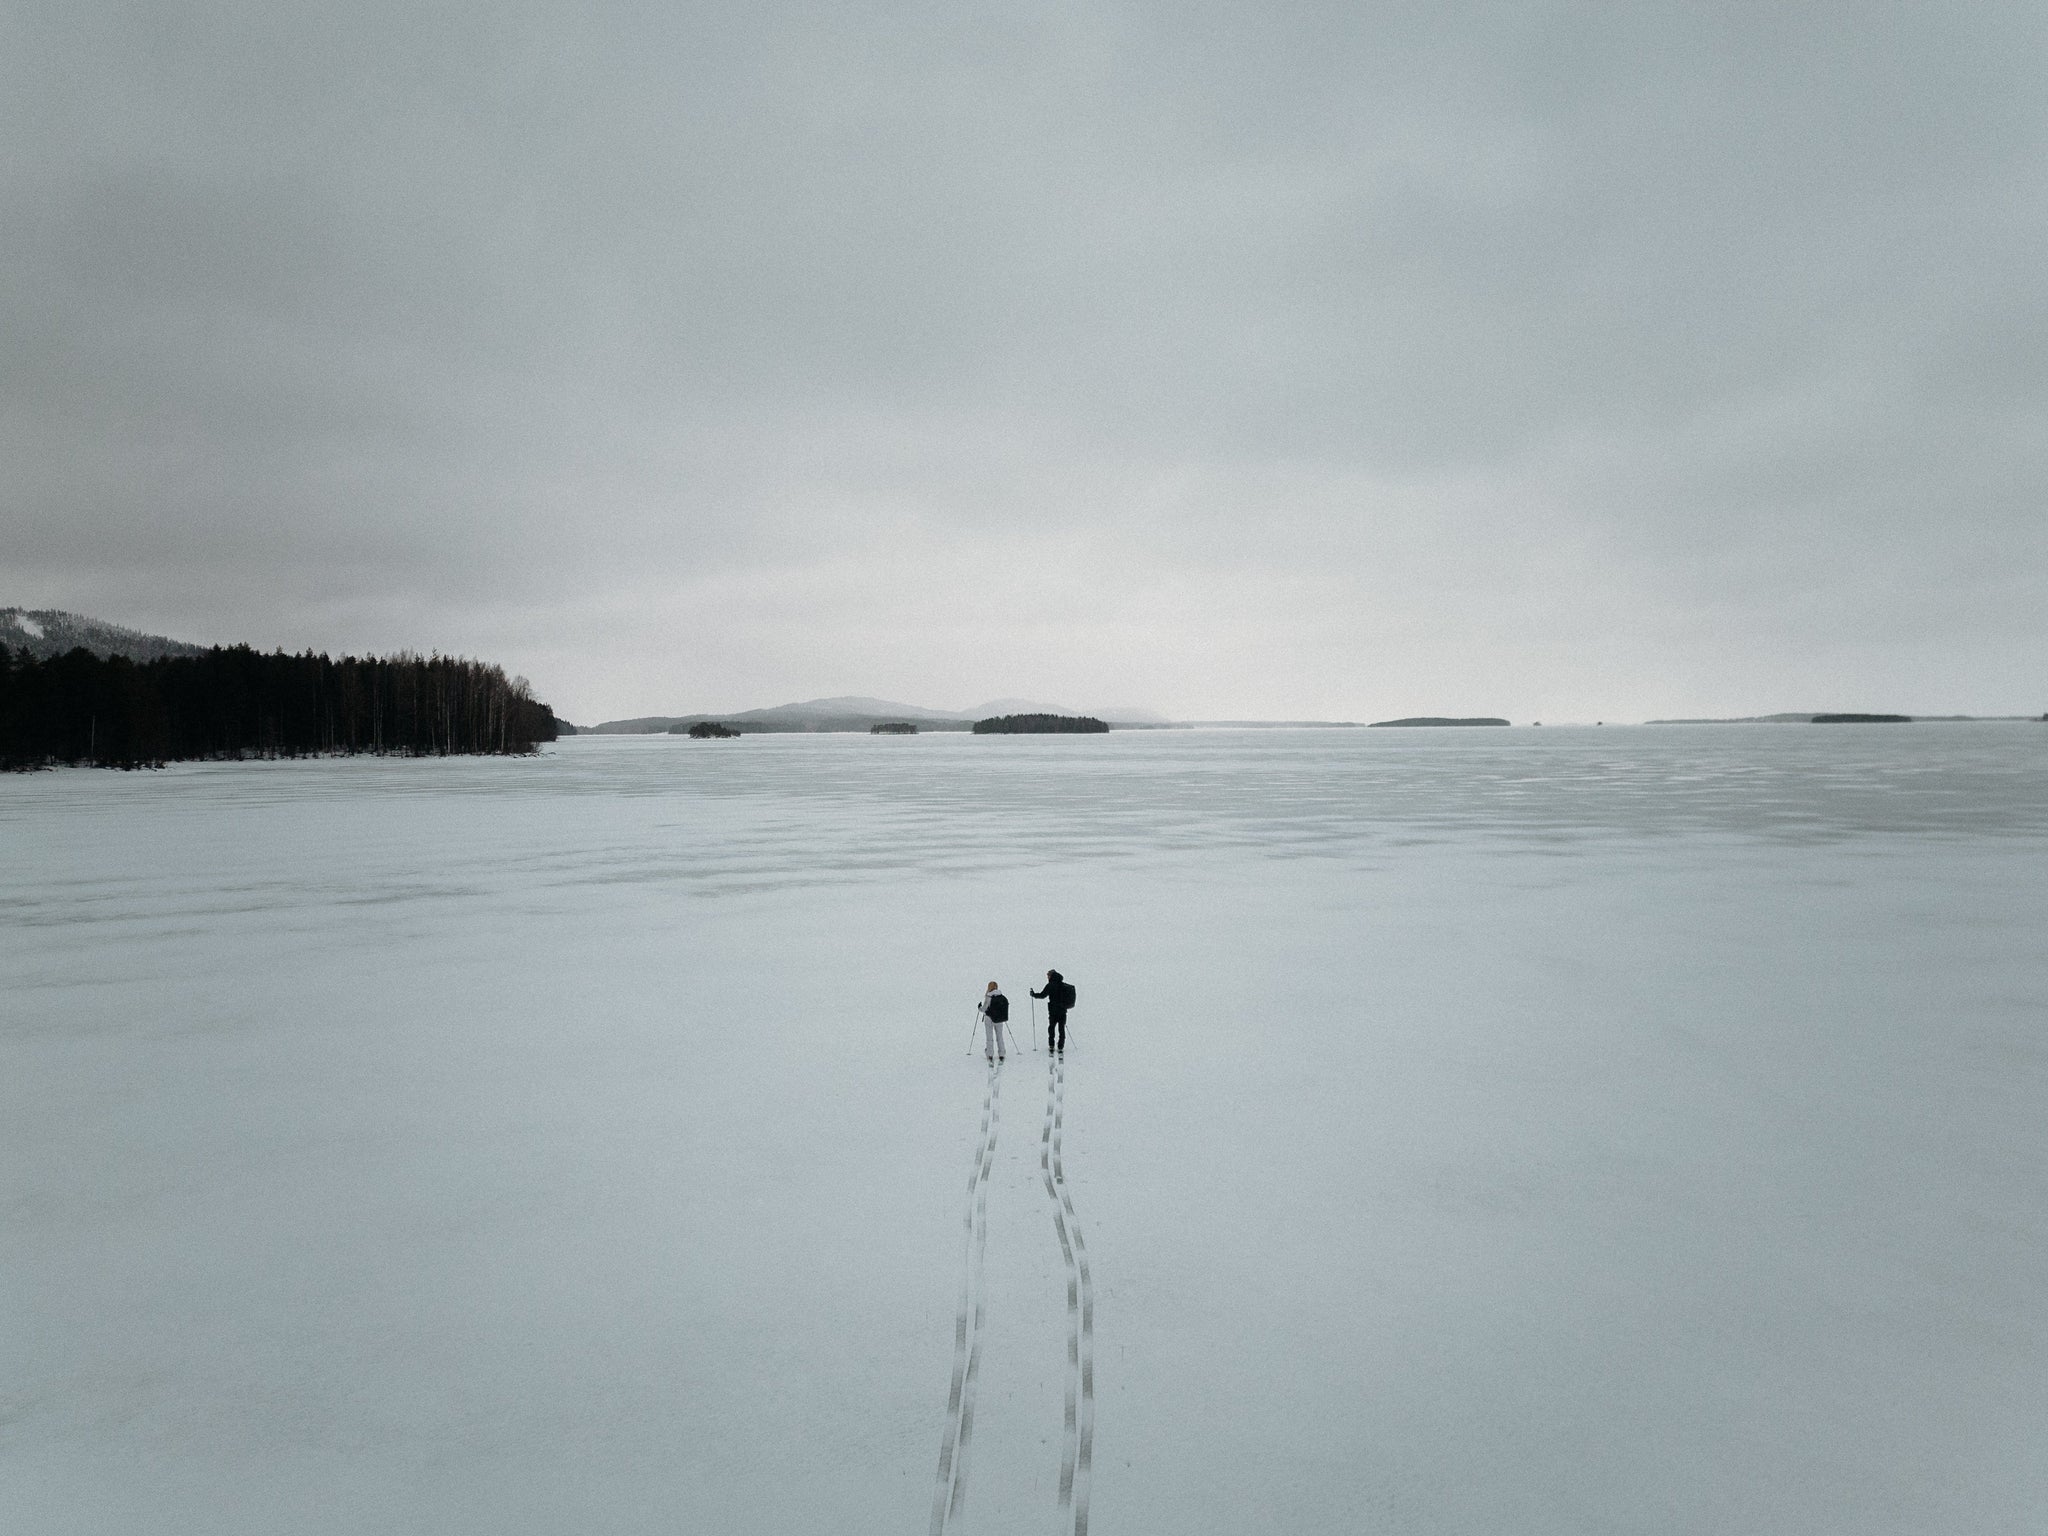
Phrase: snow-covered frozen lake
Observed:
(1595, 1130)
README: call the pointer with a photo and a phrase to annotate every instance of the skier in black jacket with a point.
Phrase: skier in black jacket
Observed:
(1059, 997)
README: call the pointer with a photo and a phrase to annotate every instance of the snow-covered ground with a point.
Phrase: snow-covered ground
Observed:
(1537, 1131)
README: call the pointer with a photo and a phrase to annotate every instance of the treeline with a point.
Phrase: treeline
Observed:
(233, 702)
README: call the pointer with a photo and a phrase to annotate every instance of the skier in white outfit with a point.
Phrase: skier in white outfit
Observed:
(994, 1013)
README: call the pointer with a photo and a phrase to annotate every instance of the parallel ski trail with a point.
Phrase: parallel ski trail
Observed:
(1077, 1455)
(951, 1492)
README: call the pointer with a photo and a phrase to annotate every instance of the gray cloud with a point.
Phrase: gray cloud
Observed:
(1327, 359)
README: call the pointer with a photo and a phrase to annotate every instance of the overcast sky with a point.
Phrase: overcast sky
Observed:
(1337, 360)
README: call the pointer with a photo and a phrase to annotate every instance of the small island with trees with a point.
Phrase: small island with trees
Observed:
(1039, 725)
(710, 730)
(893, 728)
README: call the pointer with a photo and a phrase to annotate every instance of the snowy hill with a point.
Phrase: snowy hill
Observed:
(845, 707)
(47, 632)
(856, 712)
(847, 713)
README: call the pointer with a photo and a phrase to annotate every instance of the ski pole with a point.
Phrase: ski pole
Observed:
(1034, 1020)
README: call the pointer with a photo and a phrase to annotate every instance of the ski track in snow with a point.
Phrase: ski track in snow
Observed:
(1077, 1455)
(1077, 1452)
(951, 1492)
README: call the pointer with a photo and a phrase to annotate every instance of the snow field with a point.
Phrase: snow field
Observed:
(583, 1143)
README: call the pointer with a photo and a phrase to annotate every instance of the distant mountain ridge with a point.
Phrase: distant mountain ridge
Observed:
(1822, 717)
(857, 712)
(48, 632)
(1443, 720)
(1796, 717)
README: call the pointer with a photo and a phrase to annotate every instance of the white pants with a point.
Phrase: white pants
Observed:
(996, 1045)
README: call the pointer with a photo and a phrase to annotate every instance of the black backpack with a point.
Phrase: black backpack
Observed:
(998, 1008)
(1066, 995)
